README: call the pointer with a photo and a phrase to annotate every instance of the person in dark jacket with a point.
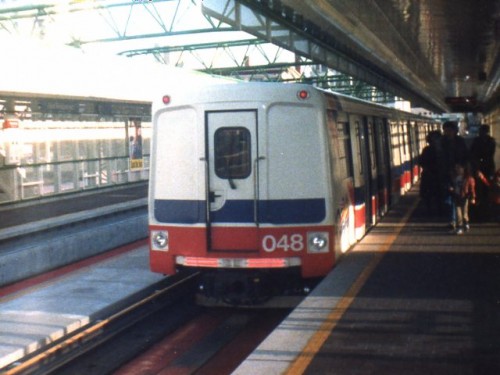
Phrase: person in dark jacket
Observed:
(431, 183)
(482, 152)
(454, 147)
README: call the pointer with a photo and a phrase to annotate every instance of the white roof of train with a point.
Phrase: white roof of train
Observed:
(35, 69)
(254, 91)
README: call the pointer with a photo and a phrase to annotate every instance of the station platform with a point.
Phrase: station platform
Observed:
(39, 315)
(410, 298)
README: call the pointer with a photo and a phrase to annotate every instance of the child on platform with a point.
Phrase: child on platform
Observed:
(463, 190)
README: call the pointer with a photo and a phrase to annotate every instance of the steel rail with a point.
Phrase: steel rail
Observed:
(70, 347)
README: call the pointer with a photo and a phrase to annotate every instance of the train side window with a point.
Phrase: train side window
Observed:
(348, 151)
(360, 138)
(372, 146)
(232, 153)
(340, 144)
(344, 149)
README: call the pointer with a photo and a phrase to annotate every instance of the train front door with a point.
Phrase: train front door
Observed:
(232, 180)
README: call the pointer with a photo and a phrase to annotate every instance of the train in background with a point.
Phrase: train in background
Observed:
(264, 185)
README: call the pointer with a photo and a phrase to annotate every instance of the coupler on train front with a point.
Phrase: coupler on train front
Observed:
(251, 287)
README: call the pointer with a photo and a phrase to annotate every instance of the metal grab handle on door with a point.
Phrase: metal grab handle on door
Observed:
(256, 188)
(207, 192)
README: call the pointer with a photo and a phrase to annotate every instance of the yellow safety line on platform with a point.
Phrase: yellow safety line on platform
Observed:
(317, 340)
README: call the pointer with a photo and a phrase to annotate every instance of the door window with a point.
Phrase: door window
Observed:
(232, 153)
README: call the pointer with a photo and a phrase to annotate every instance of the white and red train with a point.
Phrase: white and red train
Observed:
(262, 179)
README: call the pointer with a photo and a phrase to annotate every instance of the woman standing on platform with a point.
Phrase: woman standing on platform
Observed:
(482, 153)
(431, 185)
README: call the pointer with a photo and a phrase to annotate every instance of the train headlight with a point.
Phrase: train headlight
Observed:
(159, 240)
(317, 242)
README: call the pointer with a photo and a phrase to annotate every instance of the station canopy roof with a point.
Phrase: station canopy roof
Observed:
(438, 54)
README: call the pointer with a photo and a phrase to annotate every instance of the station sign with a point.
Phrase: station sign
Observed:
(135, 144)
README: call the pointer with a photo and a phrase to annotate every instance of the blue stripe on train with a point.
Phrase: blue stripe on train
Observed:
(179, 211)
(282, 211)
(292, 211)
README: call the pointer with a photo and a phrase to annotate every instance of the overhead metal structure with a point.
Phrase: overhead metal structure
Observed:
(448, 52)
(71, 109)
(281, 25)
(437, 54)
(170, 31)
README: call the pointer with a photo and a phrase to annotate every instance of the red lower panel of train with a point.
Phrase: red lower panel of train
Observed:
(309, 247)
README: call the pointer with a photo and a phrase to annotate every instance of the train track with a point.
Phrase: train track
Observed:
(72, 351)
(163, 332)
(215, 342)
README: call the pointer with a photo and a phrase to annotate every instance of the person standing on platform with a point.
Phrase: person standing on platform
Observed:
(454, 151)
(463, 192)
(454, 147)
(493, 202)
(482, 154)
(495, 196)
(431, 184)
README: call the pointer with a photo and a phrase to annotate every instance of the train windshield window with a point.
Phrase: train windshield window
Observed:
(232, 153)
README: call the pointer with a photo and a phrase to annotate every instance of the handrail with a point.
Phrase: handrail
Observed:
(25, 181)
(207, 190)
(69, 161)
(256, 188)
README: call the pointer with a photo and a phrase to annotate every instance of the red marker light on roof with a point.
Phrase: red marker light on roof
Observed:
(166, 99)
(303, 94)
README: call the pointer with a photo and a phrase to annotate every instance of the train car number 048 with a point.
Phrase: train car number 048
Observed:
(293, 242)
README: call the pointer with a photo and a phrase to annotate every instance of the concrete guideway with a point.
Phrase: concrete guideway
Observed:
(65, 230)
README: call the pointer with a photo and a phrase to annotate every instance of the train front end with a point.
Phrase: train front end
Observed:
(240, 183)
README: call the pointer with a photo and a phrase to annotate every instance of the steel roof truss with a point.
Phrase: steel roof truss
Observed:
(307, 42)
